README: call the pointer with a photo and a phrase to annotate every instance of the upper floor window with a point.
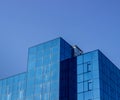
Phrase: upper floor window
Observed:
(89, 85)
(87, 67)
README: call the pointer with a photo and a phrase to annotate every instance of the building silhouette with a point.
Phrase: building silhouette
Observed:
(58, 71)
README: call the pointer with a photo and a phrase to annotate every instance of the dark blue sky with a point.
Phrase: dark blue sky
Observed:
(91, 24)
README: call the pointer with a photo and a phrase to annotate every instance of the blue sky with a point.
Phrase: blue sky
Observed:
(91, 24)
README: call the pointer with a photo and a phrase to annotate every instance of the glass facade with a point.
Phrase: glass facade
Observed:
(109, 79)
(43, 71)
(54, 72)
(97, 77)
(13, 88)
(88, 87)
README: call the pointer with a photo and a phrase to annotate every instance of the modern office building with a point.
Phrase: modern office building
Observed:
(58, 71)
